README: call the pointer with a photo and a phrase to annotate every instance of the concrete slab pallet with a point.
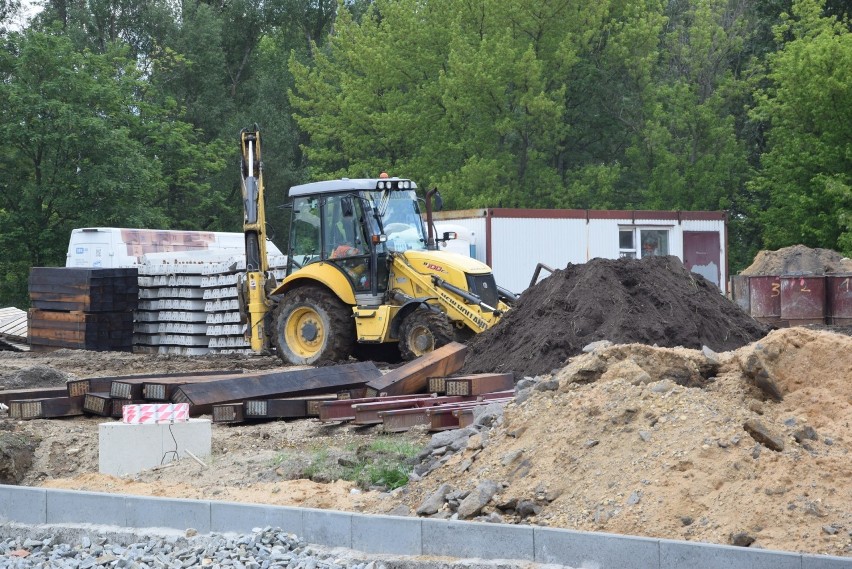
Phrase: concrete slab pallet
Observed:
(395, 535)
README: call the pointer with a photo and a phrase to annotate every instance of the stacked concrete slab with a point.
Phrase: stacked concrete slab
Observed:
(189, 303)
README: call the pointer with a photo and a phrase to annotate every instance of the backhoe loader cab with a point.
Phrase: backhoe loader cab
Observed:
(362, 271)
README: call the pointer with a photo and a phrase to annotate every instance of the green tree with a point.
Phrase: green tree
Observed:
(69, 158)
(807, 169)
(86, 148)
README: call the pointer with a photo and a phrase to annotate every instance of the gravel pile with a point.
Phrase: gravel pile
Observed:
(264, 549)
(74, 547)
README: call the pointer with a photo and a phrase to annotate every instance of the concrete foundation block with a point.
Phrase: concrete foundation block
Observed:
(23, 505)
(475, 539)
(69, 507)
(128, 449)
(242, 518)
(147, 512)
(679, 554)
(387, 534)
(326, 527)
(591, 549)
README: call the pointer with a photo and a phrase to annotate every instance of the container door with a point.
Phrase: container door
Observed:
(702, 252)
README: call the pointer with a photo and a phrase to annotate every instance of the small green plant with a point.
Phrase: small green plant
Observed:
(390, 445)
(389, 474)
(278, 460)
(384, 462)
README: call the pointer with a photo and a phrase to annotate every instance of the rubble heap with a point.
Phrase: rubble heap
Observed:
(798, 260)
(649, 301)
(747, 448)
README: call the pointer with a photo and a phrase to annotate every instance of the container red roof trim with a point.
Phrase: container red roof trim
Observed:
(587, 214)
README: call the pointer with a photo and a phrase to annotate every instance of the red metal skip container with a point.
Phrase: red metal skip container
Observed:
(765, 298)
(803, 299)
(839, 299)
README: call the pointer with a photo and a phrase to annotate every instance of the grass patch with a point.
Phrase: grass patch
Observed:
(385, 462)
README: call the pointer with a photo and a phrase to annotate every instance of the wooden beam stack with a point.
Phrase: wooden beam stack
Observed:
(82, 308)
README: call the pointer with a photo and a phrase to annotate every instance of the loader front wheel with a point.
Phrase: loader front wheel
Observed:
(423, 331)
(312, 325)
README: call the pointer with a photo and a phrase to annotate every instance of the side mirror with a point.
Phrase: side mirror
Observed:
(448, 235)
(346, 207)
(439, 202)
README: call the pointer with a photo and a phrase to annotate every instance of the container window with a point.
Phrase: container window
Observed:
(625, 239)
(654, 242)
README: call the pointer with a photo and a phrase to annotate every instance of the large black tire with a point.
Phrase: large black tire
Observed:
(422, 332)
(312, 325)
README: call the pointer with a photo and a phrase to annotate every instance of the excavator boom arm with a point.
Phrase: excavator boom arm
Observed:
(254, 227)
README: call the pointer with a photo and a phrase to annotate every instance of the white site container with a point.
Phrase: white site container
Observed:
(115, 247)
(513, 241)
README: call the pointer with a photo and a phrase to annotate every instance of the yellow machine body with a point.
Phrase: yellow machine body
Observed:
(361, 269)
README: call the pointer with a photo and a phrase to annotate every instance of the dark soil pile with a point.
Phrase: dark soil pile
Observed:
(35, 376)
(798, 260)
(649, 301)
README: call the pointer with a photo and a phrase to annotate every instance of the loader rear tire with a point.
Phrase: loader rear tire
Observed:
(312, 325)
(422, 332)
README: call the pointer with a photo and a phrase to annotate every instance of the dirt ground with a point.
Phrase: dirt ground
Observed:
(656, 435)
(250, 462)
(636, 440)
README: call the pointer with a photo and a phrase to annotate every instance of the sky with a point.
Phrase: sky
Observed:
(29, 8)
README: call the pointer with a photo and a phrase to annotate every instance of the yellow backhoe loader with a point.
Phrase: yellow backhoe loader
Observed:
(361, 272)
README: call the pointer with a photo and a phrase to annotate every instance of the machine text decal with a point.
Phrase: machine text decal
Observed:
(464, 310)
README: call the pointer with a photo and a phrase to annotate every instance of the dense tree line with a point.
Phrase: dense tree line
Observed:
(126, 113)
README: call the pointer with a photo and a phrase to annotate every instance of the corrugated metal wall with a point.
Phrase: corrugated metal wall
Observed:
(517, 245)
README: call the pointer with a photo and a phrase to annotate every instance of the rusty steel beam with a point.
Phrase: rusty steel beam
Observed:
(8, 395)
(368, 413)
(437, 385)
(464, 416)
(262, 385)
(479, 384)
(442, 419)
(358, 393)
(413, 377)
(80, 387)
(99, 403)
(228, 413)
(276, 409)
(396, 420)
(446, 416)
(137, 387)
(118, 406)
(399, 420)
(313, 406)
(46, 408)
(341, 410)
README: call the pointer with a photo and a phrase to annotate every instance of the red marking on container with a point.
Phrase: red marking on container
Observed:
(765, 298)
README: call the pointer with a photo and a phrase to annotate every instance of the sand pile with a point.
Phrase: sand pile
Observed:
(798, 260)
(650, 301)
(622, 446)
